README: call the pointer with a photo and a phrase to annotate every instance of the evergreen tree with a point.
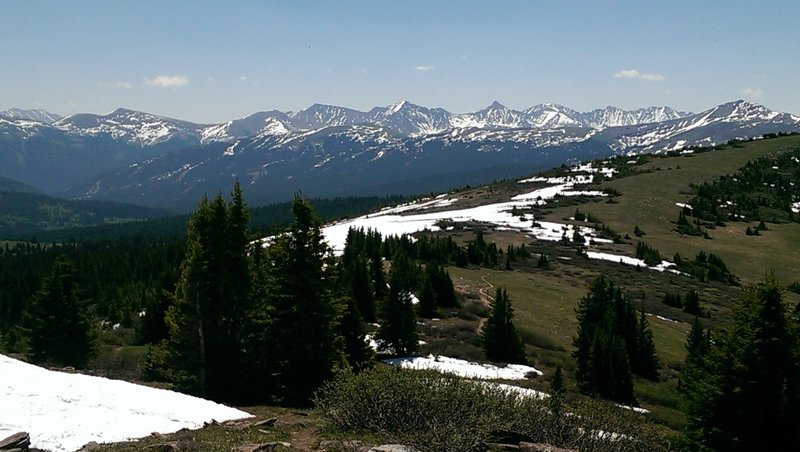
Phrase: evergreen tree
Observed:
(698, 346)
(398, 330)
(427, 298)
(304, 347)
(606, 343)
(57, 321)
(501, 340)
(692, 304)
(646, 362)
(543, 262)
(748, 396)
(351, 328)
(442, 285)
(361, 289)
(211, 299)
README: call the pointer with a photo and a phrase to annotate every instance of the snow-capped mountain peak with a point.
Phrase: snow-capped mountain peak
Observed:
(614, 116)
(34, 114)
(396, 107)
(496, 115)
(133, 127)
(319, 116)
(409, 119)
(553, 116)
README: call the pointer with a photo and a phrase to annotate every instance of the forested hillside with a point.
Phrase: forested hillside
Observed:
(597, 291)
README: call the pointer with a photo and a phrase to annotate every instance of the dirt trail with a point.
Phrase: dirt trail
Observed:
(486, 298)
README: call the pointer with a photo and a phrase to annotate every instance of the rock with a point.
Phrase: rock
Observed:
(391, 448)
(90, 446)
(265, 423)
(502, 446)
(538, 447)
(21, 441)
(264, 447)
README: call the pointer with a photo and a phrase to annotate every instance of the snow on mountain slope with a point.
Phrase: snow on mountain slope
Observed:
(132, 127)
(495, 115)
(63, 411)
(319, 116)
(275, 122)
(38, 115)
(21, 128)
(410, 120)
(732, 120)
(613, 116)
(553, 116)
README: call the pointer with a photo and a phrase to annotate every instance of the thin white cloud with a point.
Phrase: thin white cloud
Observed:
(424, 68)
(122, 84)
(169, 81)
(753, 93)
(243, 78)
(633, 73)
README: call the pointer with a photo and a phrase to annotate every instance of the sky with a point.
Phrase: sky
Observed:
(211, 62)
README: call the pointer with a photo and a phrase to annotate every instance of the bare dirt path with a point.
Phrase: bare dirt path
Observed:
(486, 298)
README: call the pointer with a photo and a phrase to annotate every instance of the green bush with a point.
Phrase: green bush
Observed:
(433, 412)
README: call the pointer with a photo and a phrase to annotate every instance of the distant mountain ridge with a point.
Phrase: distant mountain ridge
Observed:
(328, 150)
(402, 118)
(410, 120)
(35, 114)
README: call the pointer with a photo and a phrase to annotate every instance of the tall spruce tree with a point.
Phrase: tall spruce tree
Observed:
(605, 343)
(753, 372)
(351, 329)
(57, 321)
(696, 383)
(361, 289)
(442, 285)
(427, 298)
(210, 300)
(646, 362)
(692, 304)
(305, 347)
(501, 340)
(398, 331)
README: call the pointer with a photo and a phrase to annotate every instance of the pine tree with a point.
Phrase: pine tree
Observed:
(646, 362)
(351, 328)
(398, 330)
(442, 285)
(427, 299)
(211, 299)
(698, 346)
(361, 289)
(57, 321)
(750, 398)
(543, 262)
(304, 345)
(501, 340)
(606, 343)
(692, 304)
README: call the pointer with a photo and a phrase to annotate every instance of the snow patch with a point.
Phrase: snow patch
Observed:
(64, 411)
(464, 368)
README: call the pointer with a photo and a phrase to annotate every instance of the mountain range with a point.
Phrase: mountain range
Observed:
(327, 150)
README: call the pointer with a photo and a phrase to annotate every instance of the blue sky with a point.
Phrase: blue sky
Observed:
(214, 61)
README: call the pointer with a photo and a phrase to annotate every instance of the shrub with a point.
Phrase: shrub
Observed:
(433, 412)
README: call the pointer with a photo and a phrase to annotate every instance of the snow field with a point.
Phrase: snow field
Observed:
(64, 411)
(464, 368)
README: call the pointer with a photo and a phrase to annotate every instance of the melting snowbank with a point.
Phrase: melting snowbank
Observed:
(464, 368)
(63, 411)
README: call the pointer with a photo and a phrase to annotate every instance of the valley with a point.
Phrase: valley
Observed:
(328, 151)
(584, 219)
